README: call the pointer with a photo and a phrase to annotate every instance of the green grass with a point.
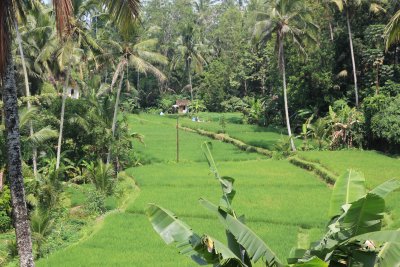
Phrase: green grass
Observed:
(160, 142)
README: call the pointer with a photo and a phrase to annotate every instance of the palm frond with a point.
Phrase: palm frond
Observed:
(123, 12)
(27, 115)
(43, 135)
(153, 57)
(339, 4)
(143, 66)
(392, 30)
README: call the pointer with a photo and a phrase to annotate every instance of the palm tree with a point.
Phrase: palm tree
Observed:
(286, 18)
(348, 6)
(123, 13)
(392, 30)
(191, 53)
(140, 56)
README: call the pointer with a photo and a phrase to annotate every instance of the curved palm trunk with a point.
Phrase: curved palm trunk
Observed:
(20, 214)
(352, 57)
(60, 136)
(293, 147)
(114, 123)
(28, 94)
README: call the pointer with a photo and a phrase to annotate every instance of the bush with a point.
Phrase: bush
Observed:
(5, 209)
(234, 104)
(5, 222)
(386, 123)
(95, 203)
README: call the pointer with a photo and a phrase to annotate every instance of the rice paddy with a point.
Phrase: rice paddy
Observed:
(285, 205)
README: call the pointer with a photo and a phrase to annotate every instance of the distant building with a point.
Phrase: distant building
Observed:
(73, 93)
(182, 106)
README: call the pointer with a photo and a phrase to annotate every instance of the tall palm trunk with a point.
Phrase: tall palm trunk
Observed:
(28, 94)
(352, 56)
(114, 123)
(293, 147)
(64, 98)
(20, 213)
(191, 87)
(188, 62)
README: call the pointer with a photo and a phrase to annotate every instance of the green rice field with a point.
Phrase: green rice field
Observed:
(285, 205)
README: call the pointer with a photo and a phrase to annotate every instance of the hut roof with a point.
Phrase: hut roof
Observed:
(182, 102)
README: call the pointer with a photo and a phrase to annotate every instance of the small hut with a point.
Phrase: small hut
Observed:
(182, 106)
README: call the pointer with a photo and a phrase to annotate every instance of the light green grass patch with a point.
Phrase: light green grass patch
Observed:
(160, 143)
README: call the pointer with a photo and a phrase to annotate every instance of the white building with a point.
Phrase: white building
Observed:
(73, 93)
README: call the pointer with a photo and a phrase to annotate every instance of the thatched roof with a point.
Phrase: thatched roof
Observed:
(182, 102)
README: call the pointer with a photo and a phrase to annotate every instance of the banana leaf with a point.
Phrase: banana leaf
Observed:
(348, 188)
(173, 230)
(364, 216)
(385, 188)
(254, 245)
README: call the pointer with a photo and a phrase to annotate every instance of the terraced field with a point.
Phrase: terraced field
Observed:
(284, 204)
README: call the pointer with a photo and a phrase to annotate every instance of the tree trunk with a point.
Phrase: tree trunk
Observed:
(331, 31)
(377, 80)
(352, 57)
(114, 123)
(28, 94)
(191, 87)
(188, 63)
(293, 147)
(60, 135)
(20, 213)
(138, 80)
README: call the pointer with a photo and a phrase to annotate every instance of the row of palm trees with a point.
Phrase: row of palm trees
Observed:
(122, 13)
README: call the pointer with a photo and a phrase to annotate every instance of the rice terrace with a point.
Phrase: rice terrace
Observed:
(200, 133)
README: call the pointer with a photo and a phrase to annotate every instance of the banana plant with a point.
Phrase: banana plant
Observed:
(354, 235)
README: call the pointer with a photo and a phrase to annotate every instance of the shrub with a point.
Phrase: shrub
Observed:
(233, 104)
(95, 203)
(386, 123)
(5, 222)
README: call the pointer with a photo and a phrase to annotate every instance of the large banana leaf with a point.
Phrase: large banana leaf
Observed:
(365, 215)
(203, 250)
(389, 256)
(348, 188)
(387, 187)
(228, 193)
(392, 236)
(254, 245)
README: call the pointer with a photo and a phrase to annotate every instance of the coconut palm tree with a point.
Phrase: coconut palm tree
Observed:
(348, 7)
(285, 18)
(392, 30)
(122, 12)
(191, 53)
(141, 56)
